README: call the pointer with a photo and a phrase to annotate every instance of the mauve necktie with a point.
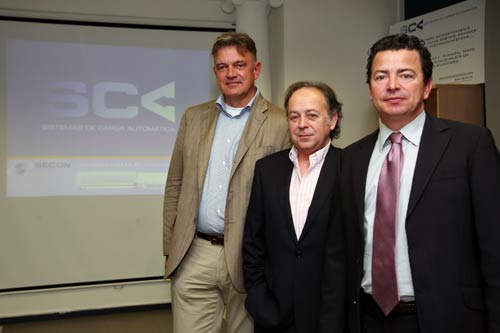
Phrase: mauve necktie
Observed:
(384, 281)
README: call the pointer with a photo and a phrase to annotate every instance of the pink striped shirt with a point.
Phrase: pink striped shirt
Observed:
(302, 187)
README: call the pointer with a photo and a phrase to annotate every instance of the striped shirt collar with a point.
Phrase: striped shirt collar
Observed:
(314, 158)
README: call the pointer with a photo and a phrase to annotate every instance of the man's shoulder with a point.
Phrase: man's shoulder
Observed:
(275, 108)
(280, 157)
(366, 140)
(261, 103)
(464, 135)
(194, 112)
(333, 150)
(458, 127)
(201, 106)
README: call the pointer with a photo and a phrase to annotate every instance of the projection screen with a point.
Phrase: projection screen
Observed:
(88, 120)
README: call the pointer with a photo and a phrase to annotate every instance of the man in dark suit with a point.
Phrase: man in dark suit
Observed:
(440, 224)
(288, 214)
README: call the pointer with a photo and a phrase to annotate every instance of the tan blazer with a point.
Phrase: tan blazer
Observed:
(266, 132)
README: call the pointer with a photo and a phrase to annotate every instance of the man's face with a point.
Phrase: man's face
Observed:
(309, 120)
(397, 87)
(236, 73)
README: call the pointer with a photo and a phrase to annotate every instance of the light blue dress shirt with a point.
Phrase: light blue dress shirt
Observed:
(230, 125)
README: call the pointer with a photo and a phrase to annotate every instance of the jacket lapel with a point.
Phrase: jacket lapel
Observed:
(435, 139)
(254, 122)
(208, 121)
(285, 175)
(325, 182)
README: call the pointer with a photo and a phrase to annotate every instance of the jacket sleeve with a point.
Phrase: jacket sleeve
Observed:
(260, 301)
(485, 188)
(173, 187)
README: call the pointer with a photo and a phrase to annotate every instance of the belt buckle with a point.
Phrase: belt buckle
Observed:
(213, 240)
(404, 308)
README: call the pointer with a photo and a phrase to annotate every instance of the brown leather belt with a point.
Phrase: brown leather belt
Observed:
(215, 239)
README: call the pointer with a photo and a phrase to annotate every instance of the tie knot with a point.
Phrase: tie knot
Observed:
(396, 137)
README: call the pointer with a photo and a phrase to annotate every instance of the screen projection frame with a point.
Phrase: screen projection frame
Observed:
(117, 290)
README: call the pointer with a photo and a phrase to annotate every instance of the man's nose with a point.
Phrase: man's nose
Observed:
(393, 83)
(302, 122)
(230, 71)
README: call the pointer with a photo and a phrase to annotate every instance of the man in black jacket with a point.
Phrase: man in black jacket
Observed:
(444, 271)
(288, 214)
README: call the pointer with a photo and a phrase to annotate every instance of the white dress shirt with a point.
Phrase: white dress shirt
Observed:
(412, 133)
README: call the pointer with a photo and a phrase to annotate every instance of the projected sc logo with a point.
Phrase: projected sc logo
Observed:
(75, 99)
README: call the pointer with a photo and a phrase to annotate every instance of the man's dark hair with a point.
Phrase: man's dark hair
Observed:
(333, 105)
(401, 42)
(241, 40)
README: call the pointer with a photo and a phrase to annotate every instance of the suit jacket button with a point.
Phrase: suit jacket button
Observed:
(298, 254)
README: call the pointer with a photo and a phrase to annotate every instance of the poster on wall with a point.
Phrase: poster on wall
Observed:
(455, 37)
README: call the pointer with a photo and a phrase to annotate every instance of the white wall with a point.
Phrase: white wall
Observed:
(276, 53)
(328, 40)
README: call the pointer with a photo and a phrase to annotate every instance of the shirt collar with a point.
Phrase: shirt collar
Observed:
(411, 131)
(223, 107)
(314, 158)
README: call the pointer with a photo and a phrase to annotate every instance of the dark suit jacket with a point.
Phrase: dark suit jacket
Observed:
(452, 226)
(282, 273)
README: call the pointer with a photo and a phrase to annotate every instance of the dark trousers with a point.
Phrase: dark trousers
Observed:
(274, 330)
(288, 327)
(374, 321)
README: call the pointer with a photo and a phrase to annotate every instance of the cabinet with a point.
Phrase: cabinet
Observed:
(462, 102)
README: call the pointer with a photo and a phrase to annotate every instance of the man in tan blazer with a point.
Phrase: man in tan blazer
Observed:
(208, 188)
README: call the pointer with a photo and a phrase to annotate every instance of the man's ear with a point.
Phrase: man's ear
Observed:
(333, 120)
(427, 89)
(256, 69)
